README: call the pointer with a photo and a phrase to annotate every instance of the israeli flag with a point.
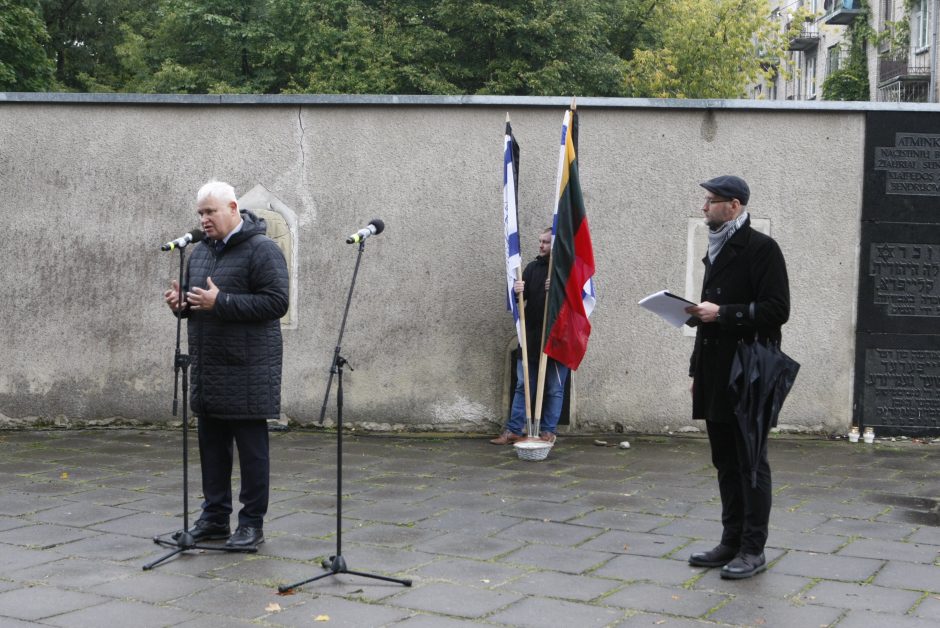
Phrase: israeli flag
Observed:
(511, 223)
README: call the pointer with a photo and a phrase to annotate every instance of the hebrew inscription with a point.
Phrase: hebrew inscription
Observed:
(902, 386)
(906, 278)
(912, 165)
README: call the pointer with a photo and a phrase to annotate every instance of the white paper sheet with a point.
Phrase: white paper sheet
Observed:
(669, 307)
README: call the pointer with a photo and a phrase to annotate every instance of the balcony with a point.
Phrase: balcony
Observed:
(892, 70)
(768, 62)
(806, 39)
(841, 11)
(900, 81)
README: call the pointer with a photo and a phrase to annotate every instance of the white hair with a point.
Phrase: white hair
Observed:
(217, 189)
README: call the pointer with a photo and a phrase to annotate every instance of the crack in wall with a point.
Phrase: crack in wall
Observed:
(303, 131)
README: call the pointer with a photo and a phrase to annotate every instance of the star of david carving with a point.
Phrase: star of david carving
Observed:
(885, 252)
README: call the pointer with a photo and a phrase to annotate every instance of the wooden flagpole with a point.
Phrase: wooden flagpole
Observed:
(543, 359)
(523, 345)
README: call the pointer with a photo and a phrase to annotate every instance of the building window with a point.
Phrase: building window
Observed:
(884, 24)
(887, 12)
(832, 58)
(921, 25)
(811, 77)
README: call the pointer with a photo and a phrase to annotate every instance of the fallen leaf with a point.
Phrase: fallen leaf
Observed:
(64, 475)
(675, 597)
(322, 618)
(273, 607)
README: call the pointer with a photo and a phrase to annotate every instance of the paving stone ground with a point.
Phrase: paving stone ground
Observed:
(592, 536)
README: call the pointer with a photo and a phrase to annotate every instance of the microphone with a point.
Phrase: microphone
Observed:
(196, 235)
(375, 227)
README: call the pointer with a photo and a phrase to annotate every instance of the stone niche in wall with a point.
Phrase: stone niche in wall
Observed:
(282, 228)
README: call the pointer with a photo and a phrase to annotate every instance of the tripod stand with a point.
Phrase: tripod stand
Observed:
(337, 564)
(183, 540)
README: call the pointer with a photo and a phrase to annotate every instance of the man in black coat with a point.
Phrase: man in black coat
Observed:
(235, 294)
(533, 286)
(745, 295)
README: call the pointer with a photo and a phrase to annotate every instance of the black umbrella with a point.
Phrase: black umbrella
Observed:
(761, 378)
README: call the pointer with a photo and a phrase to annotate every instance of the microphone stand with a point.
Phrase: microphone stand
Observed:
(336, 564)
(183, 540)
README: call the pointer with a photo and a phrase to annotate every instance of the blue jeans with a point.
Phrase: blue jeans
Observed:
(556, 375)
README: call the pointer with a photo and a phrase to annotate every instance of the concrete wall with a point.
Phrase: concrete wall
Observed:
(93, 184)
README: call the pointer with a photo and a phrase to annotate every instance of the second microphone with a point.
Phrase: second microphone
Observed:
(375, 227)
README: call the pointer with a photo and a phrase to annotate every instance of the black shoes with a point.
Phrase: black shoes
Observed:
(203, 530)
(719, 556)
(734, 565)
(744, 566)
(245, 538)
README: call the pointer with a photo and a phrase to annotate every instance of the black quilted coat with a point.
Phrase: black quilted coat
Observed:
(236, 347)
(749, 282)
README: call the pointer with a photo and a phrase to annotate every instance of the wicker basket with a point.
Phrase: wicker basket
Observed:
(532, 449)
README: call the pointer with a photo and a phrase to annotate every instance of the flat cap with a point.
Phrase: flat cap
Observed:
(729, 186)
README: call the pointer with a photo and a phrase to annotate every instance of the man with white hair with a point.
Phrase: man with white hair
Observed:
(235, 292)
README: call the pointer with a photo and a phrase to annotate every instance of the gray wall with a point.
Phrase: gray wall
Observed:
(93, 184)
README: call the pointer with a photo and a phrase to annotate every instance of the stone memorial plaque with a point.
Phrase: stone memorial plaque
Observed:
(897, 363)
(899, 283)
(902, 167)
(900, 388)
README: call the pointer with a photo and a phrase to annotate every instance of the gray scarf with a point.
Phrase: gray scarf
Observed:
(718, 237)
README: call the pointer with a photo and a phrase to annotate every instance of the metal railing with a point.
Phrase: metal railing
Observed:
(901, 69)
(807, 38)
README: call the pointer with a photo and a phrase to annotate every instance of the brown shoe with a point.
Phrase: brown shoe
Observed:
(548, 437)
(507, 438)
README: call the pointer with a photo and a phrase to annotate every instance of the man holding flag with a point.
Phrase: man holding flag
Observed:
(533, 287)
(566, 253)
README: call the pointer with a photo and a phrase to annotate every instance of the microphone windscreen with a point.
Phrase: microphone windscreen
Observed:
(198, 235)
(378, 224)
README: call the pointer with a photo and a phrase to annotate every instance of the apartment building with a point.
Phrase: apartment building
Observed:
(901, 56)
(816, 47)
(902, 65)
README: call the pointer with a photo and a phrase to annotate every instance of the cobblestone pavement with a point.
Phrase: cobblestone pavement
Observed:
(592, 536)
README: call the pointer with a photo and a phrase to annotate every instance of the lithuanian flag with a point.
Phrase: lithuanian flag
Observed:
(571, 295)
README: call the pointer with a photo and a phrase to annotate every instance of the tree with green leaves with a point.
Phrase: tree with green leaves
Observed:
(24, 66)
(850, 82)
(677, 48)
(704, 49)
(531, 47)
(83, 35)
(197, 46)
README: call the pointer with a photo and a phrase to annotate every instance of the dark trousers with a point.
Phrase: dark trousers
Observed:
(745, 511)
(215, 452)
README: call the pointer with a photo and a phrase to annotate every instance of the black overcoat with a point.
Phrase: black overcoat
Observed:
(748, 281)
(236, 346)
